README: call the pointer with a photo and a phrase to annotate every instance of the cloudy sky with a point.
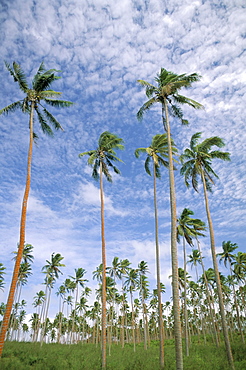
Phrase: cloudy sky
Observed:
(102, 48)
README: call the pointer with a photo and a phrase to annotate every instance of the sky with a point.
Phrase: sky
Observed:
(102, 47)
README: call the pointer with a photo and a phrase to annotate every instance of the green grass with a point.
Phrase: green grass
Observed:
(25, 356)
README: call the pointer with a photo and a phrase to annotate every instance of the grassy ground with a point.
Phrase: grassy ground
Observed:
(25, 356)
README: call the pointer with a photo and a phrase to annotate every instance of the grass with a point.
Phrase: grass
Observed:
(25, 356)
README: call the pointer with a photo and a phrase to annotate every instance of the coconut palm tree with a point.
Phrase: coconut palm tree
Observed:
(157, 152)
(195, 259)
(239, 266)
(52, 271)
(227, 256)
(27, 255)
(196, 164)
(2, 268)
(30, 104)
(131, 284)
(166, 92)
(101, 159)
(79, 281)
(187, 228)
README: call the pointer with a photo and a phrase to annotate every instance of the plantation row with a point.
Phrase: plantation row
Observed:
(132, 309)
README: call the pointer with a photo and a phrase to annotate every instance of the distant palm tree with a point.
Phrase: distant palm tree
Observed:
(227, 256)
(131, 284)
(52, 271)
(167, 94)
(31, 104)
(187, 228)
(239, 266)
(195, 258)
(27, 255)
(196, 164)
(144, 293)
(79, 281)
(101, 159)
(2, 268)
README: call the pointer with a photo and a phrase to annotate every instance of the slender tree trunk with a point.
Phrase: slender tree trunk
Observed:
(236, 307)
(12, 289)
(185, 304)
(217, 278)
(133, 324)
(212, 318)
(174, 251)
(160, 319)
(104, 264)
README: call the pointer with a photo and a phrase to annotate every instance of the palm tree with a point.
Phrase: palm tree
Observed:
(144, 293)
(157, 152)
(167, 94)
(195, 258)
(27, 255)
(31, 104)
(52, 271)
(198, 165)
(131, 283)
(187, 227)
(2, 268)
(79, 281)
(239, 265)
(228, 257)
(102, 159)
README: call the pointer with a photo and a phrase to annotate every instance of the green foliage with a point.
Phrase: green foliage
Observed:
(25, 356)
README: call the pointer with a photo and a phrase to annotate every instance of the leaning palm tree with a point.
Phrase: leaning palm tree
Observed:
(157, 152)
(167, 94)
(197, 162)
(30, 104)
(101, 159)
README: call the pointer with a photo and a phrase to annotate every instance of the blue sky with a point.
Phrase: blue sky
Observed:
(102, 49)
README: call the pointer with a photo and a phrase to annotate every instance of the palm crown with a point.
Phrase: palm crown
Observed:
(189, 227)
(168, 86)
(157, 151)
(40, 90)
(105, 155)
(199, 158)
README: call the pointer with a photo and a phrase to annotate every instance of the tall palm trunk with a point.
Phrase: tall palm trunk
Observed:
(217, 278)
(174, 251)
(212, 318)
(185, 303)
(104, 311)
(12, 289)
(160, 318)
(133, 323)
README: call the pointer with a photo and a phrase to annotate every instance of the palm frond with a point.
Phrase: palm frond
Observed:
(138, 151)
(146, 106)
(12, 107)
(58, 103)
(18, 75)
(44, 125)
(52, 119)
(49, 94)
(146, 165)
(194, 140)
(225, 156)
(206, 144)
(44, 81)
